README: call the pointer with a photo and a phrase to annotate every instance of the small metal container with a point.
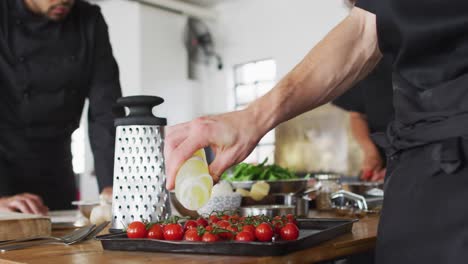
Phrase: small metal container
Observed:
(267, 210)
(139, 191)
(327, 184)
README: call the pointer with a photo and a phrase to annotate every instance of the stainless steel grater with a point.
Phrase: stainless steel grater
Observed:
(139, 190)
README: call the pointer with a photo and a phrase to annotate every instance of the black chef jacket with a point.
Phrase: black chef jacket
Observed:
(427, 141)
(47, 70)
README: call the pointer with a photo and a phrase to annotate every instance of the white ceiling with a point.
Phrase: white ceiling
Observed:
(207, 3)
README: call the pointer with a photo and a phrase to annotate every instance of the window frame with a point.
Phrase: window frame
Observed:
(241, 104)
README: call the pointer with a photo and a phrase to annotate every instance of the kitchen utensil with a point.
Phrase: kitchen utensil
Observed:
(181, 209)
(96, 231)
(85, 207)
(351, 204)
(268, 210)
(139, 191)
(363, 188)
(312, 233)
(279, 186)
(72, 238)
(349, 199)
(326, 184)
(300, 202)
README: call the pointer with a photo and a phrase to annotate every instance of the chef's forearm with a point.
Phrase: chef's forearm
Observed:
(347, 54)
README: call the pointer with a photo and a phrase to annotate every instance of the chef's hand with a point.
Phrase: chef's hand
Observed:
(232, 136)
(372, 166)
(24, 203)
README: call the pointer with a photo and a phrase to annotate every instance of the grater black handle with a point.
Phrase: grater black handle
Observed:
(140, 111)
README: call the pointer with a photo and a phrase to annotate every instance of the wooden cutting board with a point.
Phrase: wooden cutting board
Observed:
(17, 225)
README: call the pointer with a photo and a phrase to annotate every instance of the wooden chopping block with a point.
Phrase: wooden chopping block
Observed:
(17, 225)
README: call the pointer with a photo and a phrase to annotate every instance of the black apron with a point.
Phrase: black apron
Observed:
(424, 217)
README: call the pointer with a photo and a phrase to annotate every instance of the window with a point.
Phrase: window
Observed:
(252, 80)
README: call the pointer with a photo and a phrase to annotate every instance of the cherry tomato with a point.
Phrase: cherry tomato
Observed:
(209, 237)
(202, 222)
(223, 224)
(209, 228)
(277, 218)
(192, 235)
(173, 232)
(232, 228)
(213, 218)
(289, 232)
(234, 219)
(264, 232)
(189, 225)
(277, 226)
(225, 217)
(136, 230)
(291, 219)
(231, 231)
(249, 228)
(245, 236)
(156, 232)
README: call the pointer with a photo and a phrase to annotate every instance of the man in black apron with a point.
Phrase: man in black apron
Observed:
(425, 216)
(53, 55)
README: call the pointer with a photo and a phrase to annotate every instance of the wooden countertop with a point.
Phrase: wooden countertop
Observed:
(362, 239)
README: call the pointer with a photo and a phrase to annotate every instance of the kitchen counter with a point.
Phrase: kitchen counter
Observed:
(362, 239)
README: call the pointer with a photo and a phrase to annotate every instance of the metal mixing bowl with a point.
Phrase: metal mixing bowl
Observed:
(86, 207)
(268, 210)
(278, 186)
(180, 209)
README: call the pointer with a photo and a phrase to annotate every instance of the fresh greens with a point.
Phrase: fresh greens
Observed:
(260, 172)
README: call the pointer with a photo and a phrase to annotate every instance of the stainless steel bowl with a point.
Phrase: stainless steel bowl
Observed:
(268, 210)
(278, 186)
(300, 203)
(181, 209)
(85, 207)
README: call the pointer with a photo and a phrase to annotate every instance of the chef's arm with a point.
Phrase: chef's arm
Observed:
(347, 54)
(372, 162)
(104, 91)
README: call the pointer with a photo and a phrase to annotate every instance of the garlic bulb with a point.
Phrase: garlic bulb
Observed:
(100, 214)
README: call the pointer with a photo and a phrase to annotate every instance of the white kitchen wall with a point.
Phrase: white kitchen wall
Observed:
(284, 30)
(147, 44)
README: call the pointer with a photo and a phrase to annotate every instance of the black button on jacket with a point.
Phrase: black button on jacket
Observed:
(47, 70)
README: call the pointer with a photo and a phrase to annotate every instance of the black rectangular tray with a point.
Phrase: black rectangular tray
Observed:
(313, 231)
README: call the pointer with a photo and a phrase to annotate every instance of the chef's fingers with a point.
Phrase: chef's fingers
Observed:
(36, 207)
(378, 175)
(174, 136)
(180, 154)
(20, 205)
(34, 197)
(220, 164)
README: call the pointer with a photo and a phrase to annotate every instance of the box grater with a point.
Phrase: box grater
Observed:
(139, 190)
